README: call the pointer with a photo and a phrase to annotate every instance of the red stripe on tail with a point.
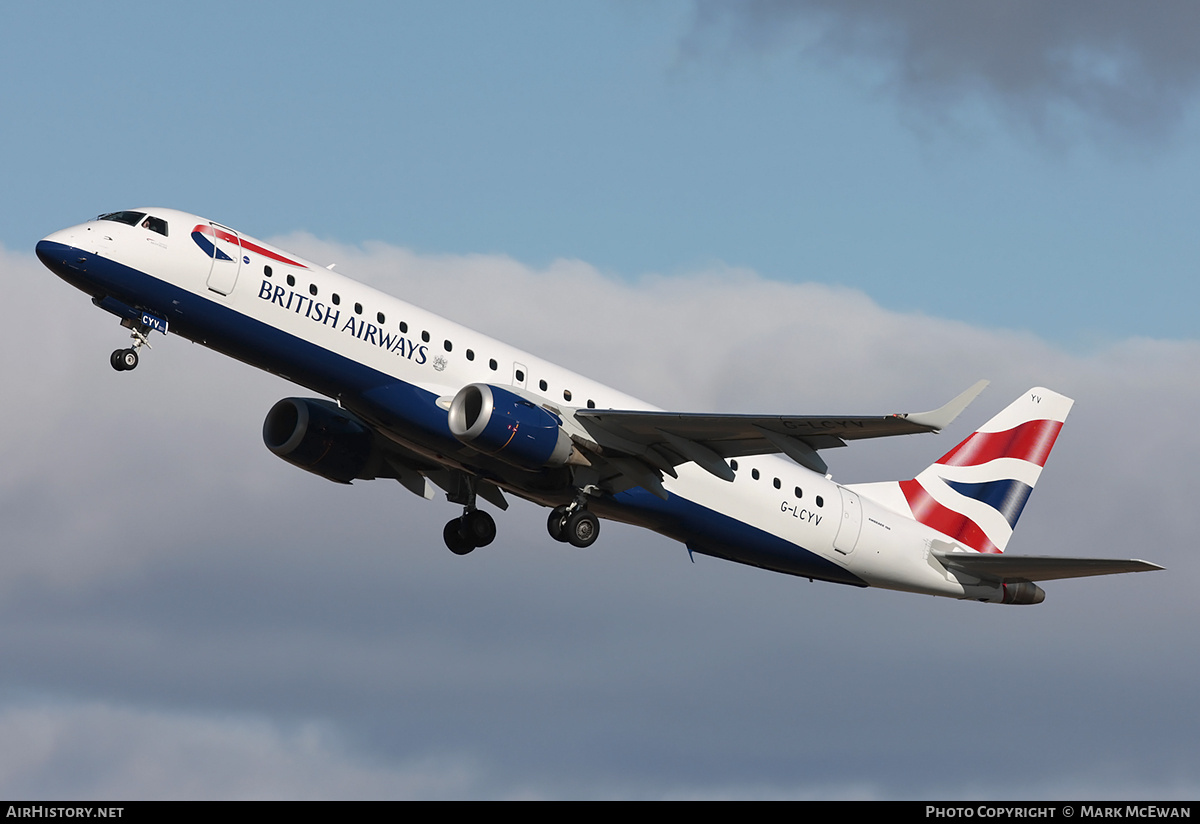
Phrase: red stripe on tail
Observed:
(1031, 441)
(946, 521)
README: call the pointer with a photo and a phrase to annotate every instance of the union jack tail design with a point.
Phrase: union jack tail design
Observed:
(976, 491)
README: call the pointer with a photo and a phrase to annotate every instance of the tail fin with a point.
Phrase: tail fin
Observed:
(975, 492)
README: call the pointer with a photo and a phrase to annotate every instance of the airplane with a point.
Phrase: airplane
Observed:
(414, 397)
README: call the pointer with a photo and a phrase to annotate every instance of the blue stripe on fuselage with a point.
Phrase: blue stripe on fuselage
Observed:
(722, 536)
(252, 341)
(405, 408)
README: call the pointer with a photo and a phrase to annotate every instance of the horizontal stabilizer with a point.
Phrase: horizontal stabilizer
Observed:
(1008, 568)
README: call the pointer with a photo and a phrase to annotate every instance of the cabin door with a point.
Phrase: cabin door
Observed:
(226, 251)
(851, 523)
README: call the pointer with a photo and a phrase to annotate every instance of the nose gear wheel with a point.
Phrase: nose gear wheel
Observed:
(123, 360)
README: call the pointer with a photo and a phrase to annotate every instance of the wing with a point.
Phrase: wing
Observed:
(663, 440)
(1018, 568)
(615, 450)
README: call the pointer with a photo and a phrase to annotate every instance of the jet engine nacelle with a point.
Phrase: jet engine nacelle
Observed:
(320, 437)
(499, 422)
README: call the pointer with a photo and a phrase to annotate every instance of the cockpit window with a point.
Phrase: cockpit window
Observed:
(128, 218)
(155, 224)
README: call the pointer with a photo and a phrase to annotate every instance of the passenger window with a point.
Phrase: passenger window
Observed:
(312, 289)
(470, 354)
(425, 337)
(337, 299)
(799, 494)
(733, 464)
(267, 271)
(543, 385)
(820, 501)
(448, 346)
(520, 376)
(492, 364)
(754, 474)
(777, 483)
(379, 317)
(291, 280)
(591, 404)
(403, 326)
(566, 394)
(358, 308)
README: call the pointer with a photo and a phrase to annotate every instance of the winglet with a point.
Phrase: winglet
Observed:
(939, 419)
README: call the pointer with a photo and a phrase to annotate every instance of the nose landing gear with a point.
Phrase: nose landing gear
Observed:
(124, 360)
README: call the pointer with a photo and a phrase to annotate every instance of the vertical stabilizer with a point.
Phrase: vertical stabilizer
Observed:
(975, 492)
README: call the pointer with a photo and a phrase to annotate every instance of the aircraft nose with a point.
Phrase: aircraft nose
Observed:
(49, 251)
(59, 252)
(54, 253)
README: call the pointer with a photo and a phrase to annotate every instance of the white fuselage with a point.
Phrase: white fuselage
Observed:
(346, 340)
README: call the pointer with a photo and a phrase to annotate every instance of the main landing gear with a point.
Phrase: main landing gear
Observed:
(124, 360)
(475, 528)
(574, 524)
(571, 523)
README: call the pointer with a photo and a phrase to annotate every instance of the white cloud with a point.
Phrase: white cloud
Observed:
(99, 751)
(194, 618)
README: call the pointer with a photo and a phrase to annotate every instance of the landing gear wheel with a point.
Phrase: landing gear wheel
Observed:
(456, 541)
(556, 524)
(478, 527)
(582, 528)
(124, 359)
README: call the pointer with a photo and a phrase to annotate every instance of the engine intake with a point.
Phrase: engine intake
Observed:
(499, 422)
(320, 437)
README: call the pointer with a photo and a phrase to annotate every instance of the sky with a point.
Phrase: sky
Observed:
(796, 207)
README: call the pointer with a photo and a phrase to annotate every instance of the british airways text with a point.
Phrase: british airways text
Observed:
(326, 315)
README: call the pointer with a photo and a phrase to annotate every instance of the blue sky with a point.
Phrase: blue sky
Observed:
(798, 207)
(642, 138)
